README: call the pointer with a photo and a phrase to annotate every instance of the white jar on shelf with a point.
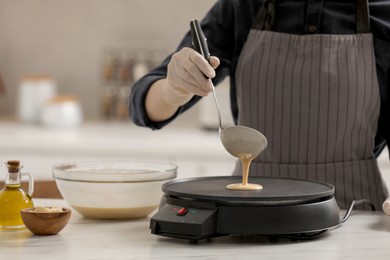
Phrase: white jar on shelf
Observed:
(34, 91)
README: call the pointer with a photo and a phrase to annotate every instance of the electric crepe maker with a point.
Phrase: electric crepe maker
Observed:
(202, 208)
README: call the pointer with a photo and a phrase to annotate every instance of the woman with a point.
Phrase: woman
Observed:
(312, 76)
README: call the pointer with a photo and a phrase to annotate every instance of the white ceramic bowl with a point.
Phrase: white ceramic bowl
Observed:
(113, 189)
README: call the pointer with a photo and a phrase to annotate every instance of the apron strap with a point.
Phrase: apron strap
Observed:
(265, 17)
(362, 17)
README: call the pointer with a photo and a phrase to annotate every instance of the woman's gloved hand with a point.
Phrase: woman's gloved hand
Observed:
(188, 74)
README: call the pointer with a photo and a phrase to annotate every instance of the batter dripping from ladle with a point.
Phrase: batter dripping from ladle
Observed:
(246, 160)
(246, 144)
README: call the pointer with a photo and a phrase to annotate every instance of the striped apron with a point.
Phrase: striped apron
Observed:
(316, 99)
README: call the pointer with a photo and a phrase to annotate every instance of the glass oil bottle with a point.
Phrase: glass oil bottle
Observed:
(12, 197)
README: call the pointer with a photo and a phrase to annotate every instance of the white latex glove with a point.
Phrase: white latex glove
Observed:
(189, 74)
(386, 206)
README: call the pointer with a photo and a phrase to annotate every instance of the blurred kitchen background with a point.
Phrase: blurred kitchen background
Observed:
(66, 69)
(92, 50)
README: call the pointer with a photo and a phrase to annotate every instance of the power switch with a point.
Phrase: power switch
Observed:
(182, 211)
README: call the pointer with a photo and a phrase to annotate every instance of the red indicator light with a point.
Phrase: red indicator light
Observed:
(182, 211)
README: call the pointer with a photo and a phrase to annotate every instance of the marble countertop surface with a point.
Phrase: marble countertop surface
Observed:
(111, 139)
(365, 235)
(195, 151)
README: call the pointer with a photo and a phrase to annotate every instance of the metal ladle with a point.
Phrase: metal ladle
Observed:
(238, 140)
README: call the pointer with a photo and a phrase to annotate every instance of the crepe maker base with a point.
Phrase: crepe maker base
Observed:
(200, 208)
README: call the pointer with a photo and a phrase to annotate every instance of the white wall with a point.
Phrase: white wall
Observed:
(66, 39)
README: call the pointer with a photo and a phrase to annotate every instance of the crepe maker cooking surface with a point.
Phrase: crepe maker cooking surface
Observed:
(200, 208)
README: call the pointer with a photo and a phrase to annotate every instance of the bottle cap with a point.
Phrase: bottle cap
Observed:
(13, 166)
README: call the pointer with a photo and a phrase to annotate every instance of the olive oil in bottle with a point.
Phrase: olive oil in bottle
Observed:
(13, 198)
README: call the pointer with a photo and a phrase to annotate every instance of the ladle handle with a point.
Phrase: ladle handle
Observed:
(218, 110)
(199, 41)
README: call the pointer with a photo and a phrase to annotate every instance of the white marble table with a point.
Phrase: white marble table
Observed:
(196, 152)
(365, 235)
